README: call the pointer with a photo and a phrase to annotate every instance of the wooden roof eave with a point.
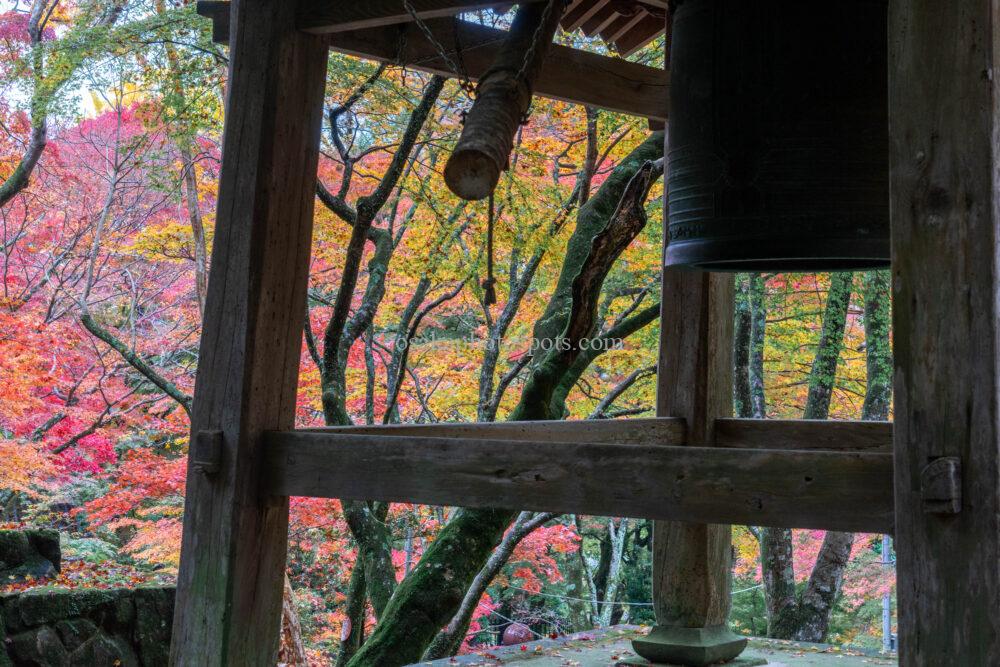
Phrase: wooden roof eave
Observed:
(568, 74)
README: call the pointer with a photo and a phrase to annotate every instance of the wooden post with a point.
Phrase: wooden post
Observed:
(944, 122)
(229, 589)
(692, 562)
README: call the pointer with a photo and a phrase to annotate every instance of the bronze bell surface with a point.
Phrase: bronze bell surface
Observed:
(779, 139)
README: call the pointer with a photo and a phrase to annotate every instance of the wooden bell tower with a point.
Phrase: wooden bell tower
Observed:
(932, 478)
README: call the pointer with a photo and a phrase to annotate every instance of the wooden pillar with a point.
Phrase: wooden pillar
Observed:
(692, 562)
(229, 588)
(944, 113)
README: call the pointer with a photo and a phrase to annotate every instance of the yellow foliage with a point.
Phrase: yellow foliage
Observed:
(169, 241)
(26, 467)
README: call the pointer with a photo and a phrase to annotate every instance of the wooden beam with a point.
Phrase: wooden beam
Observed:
(229, 588)
(944, 103)
(218, 12)
(815, 435)
(330, 16)
(811, 434)
(567, 74)
(841, 491)
(654, 431)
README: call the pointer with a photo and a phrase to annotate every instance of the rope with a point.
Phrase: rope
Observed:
(569, 597)
(604, 602)
(600, 603)
(489, 283)
(744, 590)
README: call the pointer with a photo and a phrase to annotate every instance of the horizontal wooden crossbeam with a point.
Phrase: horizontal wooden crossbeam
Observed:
(857, 436)
(567, 74)
(656, 430)
(811, 434)
(554, 469)
(327, 16)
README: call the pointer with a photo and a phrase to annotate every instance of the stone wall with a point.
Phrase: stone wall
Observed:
(28, 553)
(61, 627)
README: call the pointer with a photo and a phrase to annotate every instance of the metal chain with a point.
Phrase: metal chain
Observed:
(463, 76)
(530, 53)
(401, 51)
(464, 82)
(536, 40)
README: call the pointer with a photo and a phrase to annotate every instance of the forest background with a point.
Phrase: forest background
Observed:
(111, 114)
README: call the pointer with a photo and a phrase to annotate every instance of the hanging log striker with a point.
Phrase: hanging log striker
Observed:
(779, 146)
(503, 97)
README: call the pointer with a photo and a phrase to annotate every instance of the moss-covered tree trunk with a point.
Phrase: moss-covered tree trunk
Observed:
(428, 598)
(741, 348)
(366, 520)
(758, 327)
(809, 619)
(449, 640)
(748, 347)
(354, 637)
(823, 376)
(878, 350)
(806, 616)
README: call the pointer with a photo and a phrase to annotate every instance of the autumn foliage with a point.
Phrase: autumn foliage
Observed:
(103, 267)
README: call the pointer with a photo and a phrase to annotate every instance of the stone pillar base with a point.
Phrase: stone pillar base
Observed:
(691, 647)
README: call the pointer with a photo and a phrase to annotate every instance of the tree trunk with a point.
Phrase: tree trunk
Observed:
(878, 351)
(449, 640)
(579, 609)
(521, 278)
(374, 540)
(823, 588)
(831, 342)
(758, 326)
(337, 338)
(778, 569)
(807, 616)
(427, 599)
(352, 637)
(291, 651)
(371, 534)
(200, 249)
(741, 349)
(616, 540)
(748, 347)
